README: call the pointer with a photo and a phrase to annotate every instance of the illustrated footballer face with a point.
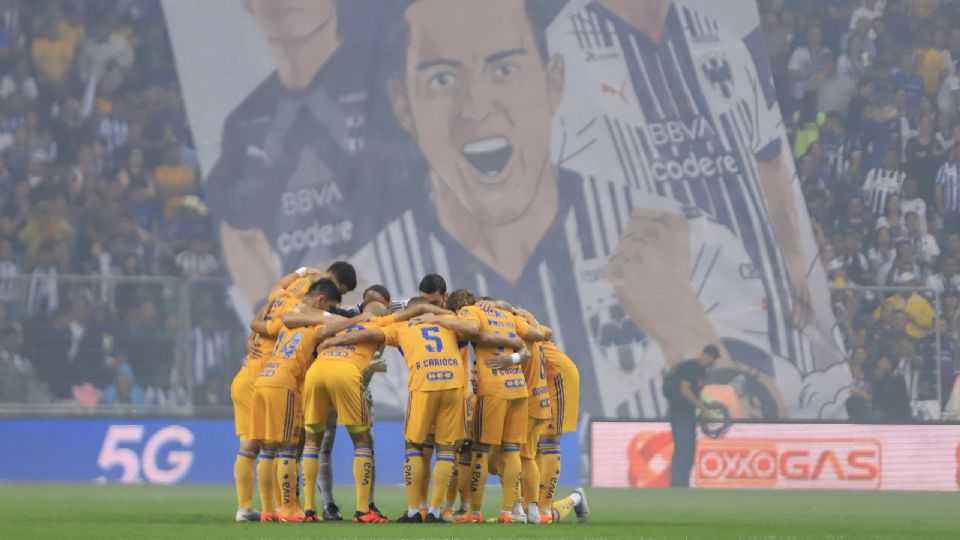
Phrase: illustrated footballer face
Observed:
(479, 99)
(293, 20)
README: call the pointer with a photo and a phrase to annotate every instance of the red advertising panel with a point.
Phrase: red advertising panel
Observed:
(783, 456)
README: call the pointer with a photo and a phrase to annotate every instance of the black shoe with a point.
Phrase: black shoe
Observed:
(433, 519)
(332, 513)
(375, 510)
(416, 518)
(311, 517)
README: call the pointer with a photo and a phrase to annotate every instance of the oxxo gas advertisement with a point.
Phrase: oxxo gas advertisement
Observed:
(784, 456)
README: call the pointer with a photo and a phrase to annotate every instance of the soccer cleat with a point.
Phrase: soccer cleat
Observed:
(583, 509)
(296, 517)
(331, 512)
(434, 519)
(518, 518)
(369, 517)
(267, 516)
(310, 516)
(407, 518)
(247, 514)
(469, 517)
(507, 517)
(375, 510)
(533, 518)
(423, 514)
(447, 516)
(546, 518)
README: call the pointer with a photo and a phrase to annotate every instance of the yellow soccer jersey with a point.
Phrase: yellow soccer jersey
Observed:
(509, 382)
(535, 373)
(299, 287)
(291, 358)
(360, 354)
(556, 361)
(432, 353)
(282, 303)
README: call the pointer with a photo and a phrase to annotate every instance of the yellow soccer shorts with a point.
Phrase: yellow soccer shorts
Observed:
(439, 409)
(336, 384)
(241, 393)
(528, 450)
(497, 420)
(277, 416)
(564, 403)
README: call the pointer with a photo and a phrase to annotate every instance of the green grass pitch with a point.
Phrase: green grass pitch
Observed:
(57, 511)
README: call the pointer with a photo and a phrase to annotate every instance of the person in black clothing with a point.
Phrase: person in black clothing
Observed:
(891, 403)
(682, 387)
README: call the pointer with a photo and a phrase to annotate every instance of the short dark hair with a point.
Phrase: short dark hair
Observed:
(327, 288)
(379, 289)
(417, 300)
(344, 273)
(433, 283)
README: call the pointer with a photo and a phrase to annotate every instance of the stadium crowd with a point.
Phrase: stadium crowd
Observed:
(871, 94)
(98, 176)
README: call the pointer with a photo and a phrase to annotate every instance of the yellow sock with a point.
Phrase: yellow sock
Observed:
(442, 472)
(549, 464)
(464, 477)
(266, 478)
(310, 462)
(363, 476)
(530, 481)
(277, 496)
(425, 474)
(478, 479)
(287, 480)
(243, 478)
(453, 483)
(511, 475)
(413, 476)
(563, 507)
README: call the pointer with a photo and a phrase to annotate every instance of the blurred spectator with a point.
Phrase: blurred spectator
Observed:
(53, 54)
(806, 61)
(916, 308)
(174, 180)
(105, 55)
(198, 261)
(948, 191)
(123, 390)
(210, 344)
(889, 398)
(881, 252)
(882, 182)
(925, 248)
(911, 201)
(931, 63)
(19, 83)
(906, 77)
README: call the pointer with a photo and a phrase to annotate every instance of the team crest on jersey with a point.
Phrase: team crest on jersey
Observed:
(717, 70)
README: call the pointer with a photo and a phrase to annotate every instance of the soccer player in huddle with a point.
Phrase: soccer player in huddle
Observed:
(277, 415)
(283, 307)
(435, 358)
(265, 326)
(553, 383)
(501, 409)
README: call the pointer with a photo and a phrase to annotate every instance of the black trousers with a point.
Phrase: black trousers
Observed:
(684, 427)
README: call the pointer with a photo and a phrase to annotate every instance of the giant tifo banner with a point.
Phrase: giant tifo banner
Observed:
(619, 168)
(175, 450)
(783, 456)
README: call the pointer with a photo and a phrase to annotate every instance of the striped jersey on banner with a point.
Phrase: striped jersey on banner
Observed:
(949, 177)
(879, 185)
